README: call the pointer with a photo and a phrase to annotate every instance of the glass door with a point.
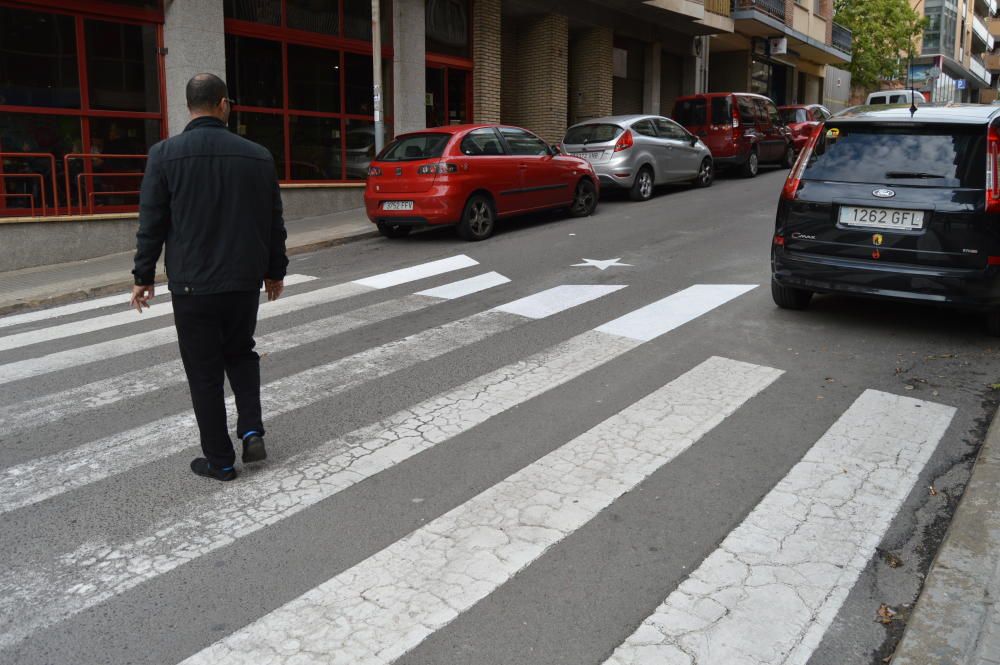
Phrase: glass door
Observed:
(447, 96)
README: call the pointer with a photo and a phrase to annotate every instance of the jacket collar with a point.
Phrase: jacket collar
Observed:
(206, 121)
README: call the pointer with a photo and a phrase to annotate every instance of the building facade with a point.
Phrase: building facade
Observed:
(951, 61)
(86, 87)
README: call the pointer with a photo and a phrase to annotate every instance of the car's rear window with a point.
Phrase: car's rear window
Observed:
(595, 133)
(692, 112)
(793, 115)
(932, 156)
(415, 147)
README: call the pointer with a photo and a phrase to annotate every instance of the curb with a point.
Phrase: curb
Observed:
(125, 284)
(956, 620)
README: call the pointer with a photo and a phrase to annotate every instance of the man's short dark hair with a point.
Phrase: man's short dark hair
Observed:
(205, 91)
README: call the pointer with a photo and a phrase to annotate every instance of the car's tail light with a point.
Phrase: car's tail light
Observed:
(736, 117)
(441, 168)
(993, 170)
(791, 188)
(374, 170)
(625, 142)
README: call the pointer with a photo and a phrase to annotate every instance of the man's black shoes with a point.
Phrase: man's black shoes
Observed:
(202, 467)
(253, 449)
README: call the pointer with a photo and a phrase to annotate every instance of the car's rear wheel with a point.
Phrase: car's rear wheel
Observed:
(787, 297)
(993, 323)
(752, 165)
(393, 230)
(789, 156)
(478, 218)
(642, 188)
(706, 174)
(584, 200)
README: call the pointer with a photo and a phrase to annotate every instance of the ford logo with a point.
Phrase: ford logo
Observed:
(884, 193)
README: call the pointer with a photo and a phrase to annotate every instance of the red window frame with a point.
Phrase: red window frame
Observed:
(285, 36)
(446, 62)
(104, 11)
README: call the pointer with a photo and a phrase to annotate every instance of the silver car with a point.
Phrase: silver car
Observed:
(638, 152)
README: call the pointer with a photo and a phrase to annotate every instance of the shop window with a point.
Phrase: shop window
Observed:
(253, 71)
(26, 132)
(447, 25)
(314, 79)
(267, 129)
(122, 66)
(359, 84)
(315, 16)
(38, 60)
(315, 144)
(255, 11)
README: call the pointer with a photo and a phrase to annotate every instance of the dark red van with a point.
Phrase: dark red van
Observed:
(743, 130)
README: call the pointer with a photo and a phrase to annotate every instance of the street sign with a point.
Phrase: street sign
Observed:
(778, 45)
(961, 84)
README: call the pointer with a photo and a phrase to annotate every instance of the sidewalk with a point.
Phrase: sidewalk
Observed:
(49, 285)
(957, 618)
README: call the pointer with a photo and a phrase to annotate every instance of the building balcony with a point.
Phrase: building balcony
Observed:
(993, 25)
(992, 61)
(773, 8)
(843, 39)
(982, 39)
(986, 8)
(979, 70)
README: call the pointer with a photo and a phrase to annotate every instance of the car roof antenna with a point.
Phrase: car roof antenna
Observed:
(909, 76)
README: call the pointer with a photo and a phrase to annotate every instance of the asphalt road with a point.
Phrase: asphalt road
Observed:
(557, 481)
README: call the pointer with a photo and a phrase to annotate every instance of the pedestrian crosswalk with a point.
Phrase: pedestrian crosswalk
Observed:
(797, 554)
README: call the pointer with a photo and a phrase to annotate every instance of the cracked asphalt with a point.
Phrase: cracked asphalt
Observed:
(394, 421)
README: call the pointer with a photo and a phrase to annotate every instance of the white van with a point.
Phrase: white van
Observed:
(894, 97)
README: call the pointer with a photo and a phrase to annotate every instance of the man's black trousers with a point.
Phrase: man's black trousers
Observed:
(215, 334)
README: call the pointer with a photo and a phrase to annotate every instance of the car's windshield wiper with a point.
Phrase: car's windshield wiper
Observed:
(912, 174)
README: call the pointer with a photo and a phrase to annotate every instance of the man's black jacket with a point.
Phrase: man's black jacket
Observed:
(213, 198)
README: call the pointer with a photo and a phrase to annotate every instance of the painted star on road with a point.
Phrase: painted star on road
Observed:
(601, 264)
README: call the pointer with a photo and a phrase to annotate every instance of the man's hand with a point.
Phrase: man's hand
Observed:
(141, 295)
(274, 288)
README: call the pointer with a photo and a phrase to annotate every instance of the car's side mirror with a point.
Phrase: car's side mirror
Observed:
(693, 139)
(556, 150)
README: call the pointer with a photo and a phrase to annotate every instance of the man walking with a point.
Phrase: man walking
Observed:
(212, 197)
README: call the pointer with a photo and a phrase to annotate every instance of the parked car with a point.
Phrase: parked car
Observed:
(888, 204)
(801, 120)
(470, 176)
(743, 130)
(638, 152)
(895, 97)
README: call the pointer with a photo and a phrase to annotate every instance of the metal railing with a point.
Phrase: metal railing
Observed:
(88, 160)
(843, 39)
(23, 161)
(773, 8)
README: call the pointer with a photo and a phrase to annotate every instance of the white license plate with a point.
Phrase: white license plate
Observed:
(882, 218)
(397, 205)
(590, 156)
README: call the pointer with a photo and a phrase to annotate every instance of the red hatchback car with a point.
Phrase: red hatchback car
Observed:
(802, 119)
(470, 176)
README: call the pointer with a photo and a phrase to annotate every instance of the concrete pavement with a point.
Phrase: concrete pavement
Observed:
(64, 282)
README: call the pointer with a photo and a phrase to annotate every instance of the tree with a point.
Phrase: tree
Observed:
(885, 33)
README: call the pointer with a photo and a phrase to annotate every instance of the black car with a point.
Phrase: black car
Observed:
(894, 203)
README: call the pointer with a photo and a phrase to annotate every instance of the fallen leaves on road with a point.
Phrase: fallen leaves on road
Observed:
(885, 614)
(893, 560)
(932, 491)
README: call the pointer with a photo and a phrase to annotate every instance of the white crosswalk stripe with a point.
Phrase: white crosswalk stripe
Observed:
(33, 316)
(52, 362)
(97, 571)
(125, 317)
(29, 483)
(774, 585)
(50, 408)
(386, 605)
(798, 553)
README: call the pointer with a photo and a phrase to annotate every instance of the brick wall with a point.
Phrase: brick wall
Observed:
(486, 55)
(508, 73)
(591, 86)
(543, 52)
